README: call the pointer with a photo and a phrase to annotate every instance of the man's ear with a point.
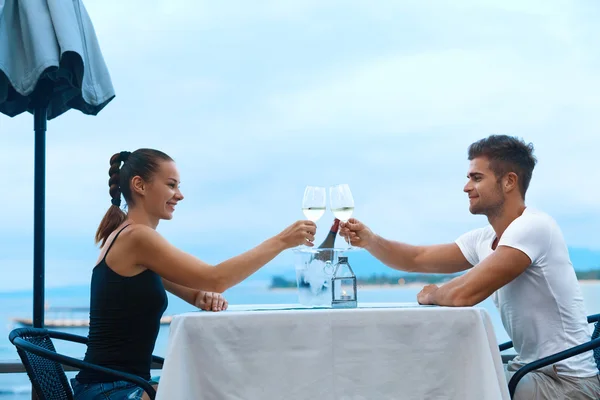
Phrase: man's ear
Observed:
(510, 182)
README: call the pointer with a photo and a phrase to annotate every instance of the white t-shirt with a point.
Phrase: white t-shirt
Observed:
(542, 309)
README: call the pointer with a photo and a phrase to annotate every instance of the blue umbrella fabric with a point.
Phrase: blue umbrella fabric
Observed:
(50, 45)
(50, 62)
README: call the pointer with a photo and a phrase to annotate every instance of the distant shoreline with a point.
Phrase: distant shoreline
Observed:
(411, 285)
(588, 281)
(59, 291)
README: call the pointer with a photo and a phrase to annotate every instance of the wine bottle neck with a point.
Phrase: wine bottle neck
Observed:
(335, 227)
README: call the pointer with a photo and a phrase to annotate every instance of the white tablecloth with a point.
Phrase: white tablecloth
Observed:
(365, 353)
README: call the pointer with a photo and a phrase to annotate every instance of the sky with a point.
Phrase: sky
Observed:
(256, 100)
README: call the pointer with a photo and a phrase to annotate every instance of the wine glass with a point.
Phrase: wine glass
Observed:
(341, 202)
(314, 202)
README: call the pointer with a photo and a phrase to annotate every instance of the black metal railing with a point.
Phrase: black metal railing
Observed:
(16, 366)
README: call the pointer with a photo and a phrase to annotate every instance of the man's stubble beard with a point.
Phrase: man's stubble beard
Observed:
(493, 210)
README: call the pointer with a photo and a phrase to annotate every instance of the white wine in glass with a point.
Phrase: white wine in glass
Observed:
(314, 202)
(313, 213)
(343, 213)
(341, 202)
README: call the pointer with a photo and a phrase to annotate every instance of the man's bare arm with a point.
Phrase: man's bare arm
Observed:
(442, 258)
(495, 271)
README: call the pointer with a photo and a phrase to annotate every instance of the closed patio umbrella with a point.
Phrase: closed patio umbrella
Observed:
(50, 62)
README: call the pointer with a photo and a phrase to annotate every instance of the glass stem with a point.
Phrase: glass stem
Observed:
(347, 240)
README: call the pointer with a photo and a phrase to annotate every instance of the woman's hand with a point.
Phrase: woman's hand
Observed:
(210, 301)
(301, 232)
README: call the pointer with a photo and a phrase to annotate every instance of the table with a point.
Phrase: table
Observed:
(376, 351)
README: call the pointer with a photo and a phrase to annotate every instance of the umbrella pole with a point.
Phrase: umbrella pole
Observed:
(39, 217)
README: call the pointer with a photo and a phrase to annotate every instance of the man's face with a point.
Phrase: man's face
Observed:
(484, 189)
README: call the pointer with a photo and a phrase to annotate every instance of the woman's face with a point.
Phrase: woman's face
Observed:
(162, 193)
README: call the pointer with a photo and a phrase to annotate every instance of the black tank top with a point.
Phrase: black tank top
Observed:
(125, 317)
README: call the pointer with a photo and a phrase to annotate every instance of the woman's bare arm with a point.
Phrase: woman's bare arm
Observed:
(154, 252)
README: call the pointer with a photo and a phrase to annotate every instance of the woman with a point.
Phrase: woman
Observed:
(136, 265)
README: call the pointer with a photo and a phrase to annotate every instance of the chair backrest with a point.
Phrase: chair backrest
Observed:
(47, 377)
(595, 335)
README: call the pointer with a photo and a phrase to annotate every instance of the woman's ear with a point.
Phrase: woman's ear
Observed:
(138, 185)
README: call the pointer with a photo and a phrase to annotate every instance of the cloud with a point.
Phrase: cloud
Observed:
(257, 100)
(439, 91)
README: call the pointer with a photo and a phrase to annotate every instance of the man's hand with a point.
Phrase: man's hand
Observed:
(209, 301)
(425, 295)
(357, 233)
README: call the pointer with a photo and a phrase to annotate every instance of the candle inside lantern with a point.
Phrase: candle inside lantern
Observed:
(343, 285)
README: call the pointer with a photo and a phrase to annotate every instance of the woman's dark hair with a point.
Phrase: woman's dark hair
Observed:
(507, 154)
(143, 163)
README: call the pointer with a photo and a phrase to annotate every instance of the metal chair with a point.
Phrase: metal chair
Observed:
(594, 345)
(44, 365)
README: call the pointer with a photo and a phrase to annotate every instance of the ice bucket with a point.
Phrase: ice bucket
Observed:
(314, 269)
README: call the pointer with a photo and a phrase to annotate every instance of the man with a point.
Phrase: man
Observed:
(520, 258)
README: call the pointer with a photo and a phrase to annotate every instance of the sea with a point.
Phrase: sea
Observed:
(19, 304)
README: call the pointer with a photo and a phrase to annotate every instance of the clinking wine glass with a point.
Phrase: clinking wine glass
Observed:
(342, 203)
(314, 202)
